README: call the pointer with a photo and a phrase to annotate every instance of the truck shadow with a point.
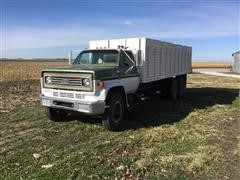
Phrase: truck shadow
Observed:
(154, 111)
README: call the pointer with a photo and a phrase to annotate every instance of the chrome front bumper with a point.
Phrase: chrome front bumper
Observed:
(87, 107)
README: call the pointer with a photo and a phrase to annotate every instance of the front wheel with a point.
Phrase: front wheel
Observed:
(115, 113)
(56, 114)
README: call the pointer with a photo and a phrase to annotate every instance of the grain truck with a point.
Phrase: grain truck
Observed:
(111, 75)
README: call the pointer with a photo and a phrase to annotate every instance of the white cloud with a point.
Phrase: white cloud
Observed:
(128, 22)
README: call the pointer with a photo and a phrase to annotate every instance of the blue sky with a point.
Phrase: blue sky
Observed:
(50, 28)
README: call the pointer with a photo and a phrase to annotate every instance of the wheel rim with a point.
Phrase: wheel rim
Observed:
(117, 112)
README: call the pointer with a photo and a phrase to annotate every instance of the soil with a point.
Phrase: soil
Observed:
(15, 94)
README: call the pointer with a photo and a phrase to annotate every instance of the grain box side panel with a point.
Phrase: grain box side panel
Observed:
(148, 66)
(155, 60)
(189, 59)
(164, 60)
(144, 55)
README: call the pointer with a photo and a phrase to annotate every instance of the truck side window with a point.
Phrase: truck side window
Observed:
(130, 54)
(125, 59)
(127, 63)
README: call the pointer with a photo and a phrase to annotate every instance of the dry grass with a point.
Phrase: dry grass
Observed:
(211, 64)
(15, 70)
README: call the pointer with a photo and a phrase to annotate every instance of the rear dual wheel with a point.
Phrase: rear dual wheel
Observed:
(181, 85)
(169, 89)
(174, 87)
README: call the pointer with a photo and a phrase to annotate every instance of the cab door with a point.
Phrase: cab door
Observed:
(129, 74)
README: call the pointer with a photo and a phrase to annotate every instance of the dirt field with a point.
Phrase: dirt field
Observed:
(196, 136)
(16, 70)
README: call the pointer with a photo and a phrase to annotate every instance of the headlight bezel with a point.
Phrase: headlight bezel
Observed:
(48, 79)
(86, 82)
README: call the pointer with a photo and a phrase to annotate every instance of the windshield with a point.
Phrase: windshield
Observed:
(99, 57)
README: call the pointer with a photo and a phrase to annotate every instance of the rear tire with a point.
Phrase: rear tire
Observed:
(169, 89)
(173, 89)
(115, 113)
(56, 115)
(164, 88)
(181, 85)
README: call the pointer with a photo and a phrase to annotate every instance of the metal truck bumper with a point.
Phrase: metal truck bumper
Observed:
(87, 107)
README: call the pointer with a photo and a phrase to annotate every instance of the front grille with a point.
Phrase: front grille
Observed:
(67, 95)
(55, 94)
(67, 81)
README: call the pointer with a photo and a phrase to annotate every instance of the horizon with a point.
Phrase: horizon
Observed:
(50, 29)
(66, 59)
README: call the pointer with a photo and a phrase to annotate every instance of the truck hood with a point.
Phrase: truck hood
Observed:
(100, 72)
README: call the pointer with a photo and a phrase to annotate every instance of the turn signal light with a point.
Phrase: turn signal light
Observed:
(100, 84)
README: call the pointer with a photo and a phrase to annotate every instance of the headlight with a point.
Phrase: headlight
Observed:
(48, 79)
(86, 82)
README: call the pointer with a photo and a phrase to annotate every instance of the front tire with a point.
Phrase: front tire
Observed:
(115, 113)
(56, 115)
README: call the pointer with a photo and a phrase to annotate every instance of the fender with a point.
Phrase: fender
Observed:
(110, 84)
